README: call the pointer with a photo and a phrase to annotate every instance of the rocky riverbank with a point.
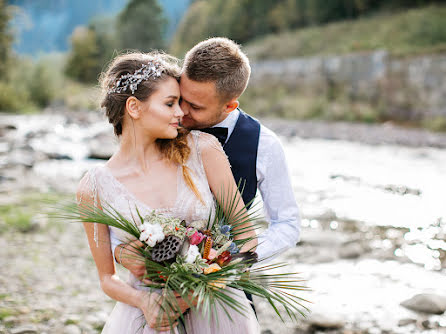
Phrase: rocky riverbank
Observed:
(368, 275)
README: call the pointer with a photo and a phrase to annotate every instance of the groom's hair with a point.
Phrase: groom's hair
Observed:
(219, 60)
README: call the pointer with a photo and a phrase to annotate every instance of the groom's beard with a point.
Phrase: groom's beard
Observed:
(192, 124)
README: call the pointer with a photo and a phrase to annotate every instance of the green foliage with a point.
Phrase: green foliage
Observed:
(17, 216)
(31, 85)
(141, 26)
(84, 60)
(245, 20)
(5, 37)
(6, 312)
(41, 87)
(411, 32)
(273, 99)
(14, 89)
(92, 48)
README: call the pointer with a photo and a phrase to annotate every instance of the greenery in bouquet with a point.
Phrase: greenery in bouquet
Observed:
(199, 260)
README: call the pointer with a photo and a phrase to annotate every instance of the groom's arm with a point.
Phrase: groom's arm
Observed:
(275, 187)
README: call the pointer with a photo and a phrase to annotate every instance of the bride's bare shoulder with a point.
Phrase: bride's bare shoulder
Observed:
(206, 143)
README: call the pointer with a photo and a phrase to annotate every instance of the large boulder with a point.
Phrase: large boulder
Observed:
(426, 303)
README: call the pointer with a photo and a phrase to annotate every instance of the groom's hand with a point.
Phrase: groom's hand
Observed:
(129, 258)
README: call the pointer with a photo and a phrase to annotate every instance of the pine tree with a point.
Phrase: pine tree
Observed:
(5, 38)
(141, 26)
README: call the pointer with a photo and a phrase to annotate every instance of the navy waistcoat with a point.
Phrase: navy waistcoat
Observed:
(241, 149)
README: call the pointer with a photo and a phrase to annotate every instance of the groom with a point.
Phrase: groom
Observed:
(215, 74)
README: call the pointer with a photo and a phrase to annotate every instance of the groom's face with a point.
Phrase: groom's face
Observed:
(200, 103)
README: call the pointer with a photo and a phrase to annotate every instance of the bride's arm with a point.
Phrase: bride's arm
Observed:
(110, 282)
(221, 181)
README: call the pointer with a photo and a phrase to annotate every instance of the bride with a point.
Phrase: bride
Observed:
(158, 166)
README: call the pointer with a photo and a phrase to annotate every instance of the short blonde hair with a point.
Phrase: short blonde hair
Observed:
(219, 60)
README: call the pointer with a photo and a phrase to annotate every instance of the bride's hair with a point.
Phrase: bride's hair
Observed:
(138, 74)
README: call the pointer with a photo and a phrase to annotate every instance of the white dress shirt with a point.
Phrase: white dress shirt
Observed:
(274, 184)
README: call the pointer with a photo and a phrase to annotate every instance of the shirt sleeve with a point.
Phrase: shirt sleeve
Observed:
(281, 210)
(114, 242)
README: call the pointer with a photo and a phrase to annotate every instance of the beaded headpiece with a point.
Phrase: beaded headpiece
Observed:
(152, 69)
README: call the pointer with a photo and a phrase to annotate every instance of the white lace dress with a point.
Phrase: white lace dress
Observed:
(126, 319)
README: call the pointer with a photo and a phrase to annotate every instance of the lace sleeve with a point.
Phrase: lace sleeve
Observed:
(206, 142)
(87, 194)
(87, 189)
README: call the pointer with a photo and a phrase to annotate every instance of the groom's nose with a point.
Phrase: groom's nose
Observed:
(184, 107)
(179, 112)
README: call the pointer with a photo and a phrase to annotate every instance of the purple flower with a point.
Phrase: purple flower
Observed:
(225, 229)
(233, 249)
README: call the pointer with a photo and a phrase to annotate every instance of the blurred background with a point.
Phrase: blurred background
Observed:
(356, 90)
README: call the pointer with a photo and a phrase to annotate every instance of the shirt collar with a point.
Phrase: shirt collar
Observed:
(229, 122)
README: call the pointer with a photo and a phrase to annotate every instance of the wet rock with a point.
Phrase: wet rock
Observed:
(6, 127)
(72, 329)
(58, 156)
(4, 147)
(21, 158)
(25, 329)
(406, 321)
(426, 303)
(428, 324)
(24, 309)
(94, 320)
(39, 221)
(351, 251)
(322, 257)
(325, 320)
(402, 190)
(11, 320)
(101, 148)
(323, 238)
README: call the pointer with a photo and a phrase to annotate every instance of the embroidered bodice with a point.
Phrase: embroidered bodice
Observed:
(105, 189)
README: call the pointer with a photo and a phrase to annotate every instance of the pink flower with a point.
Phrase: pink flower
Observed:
(196, 238)
(212, 254)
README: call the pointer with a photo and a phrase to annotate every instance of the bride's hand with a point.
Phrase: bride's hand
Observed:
(150, 306)
(130, 259)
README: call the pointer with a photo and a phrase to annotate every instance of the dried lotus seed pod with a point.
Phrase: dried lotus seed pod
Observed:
(166, 249)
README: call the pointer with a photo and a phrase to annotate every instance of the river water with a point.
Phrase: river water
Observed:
(388, 201)
(373, 217)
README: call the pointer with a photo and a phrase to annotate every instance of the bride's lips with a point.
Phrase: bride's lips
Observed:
(175, 125)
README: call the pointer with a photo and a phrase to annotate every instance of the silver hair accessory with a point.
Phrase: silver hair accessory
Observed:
(153, 69)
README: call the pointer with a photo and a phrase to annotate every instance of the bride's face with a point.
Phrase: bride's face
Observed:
(161, 113)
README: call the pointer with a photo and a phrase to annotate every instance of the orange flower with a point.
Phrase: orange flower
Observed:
(207, 248)
(212, 268)
(218, 284)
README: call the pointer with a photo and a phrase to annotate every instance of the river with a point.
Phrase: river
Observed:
(373, 215)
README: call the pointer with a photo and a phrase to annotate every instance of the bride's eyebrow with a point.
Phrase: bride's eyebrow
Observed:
(172, 97)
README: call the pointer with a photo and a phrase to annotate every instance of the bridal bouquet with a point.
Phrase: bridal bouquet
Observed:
(197, 261)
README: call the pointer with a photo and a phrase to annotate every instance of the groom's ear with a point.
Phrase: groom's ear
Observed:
(231, 106)
(132, 106)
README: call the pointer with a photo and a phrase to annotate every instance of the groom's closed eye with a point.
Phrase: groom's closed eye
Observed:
(193, 106)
